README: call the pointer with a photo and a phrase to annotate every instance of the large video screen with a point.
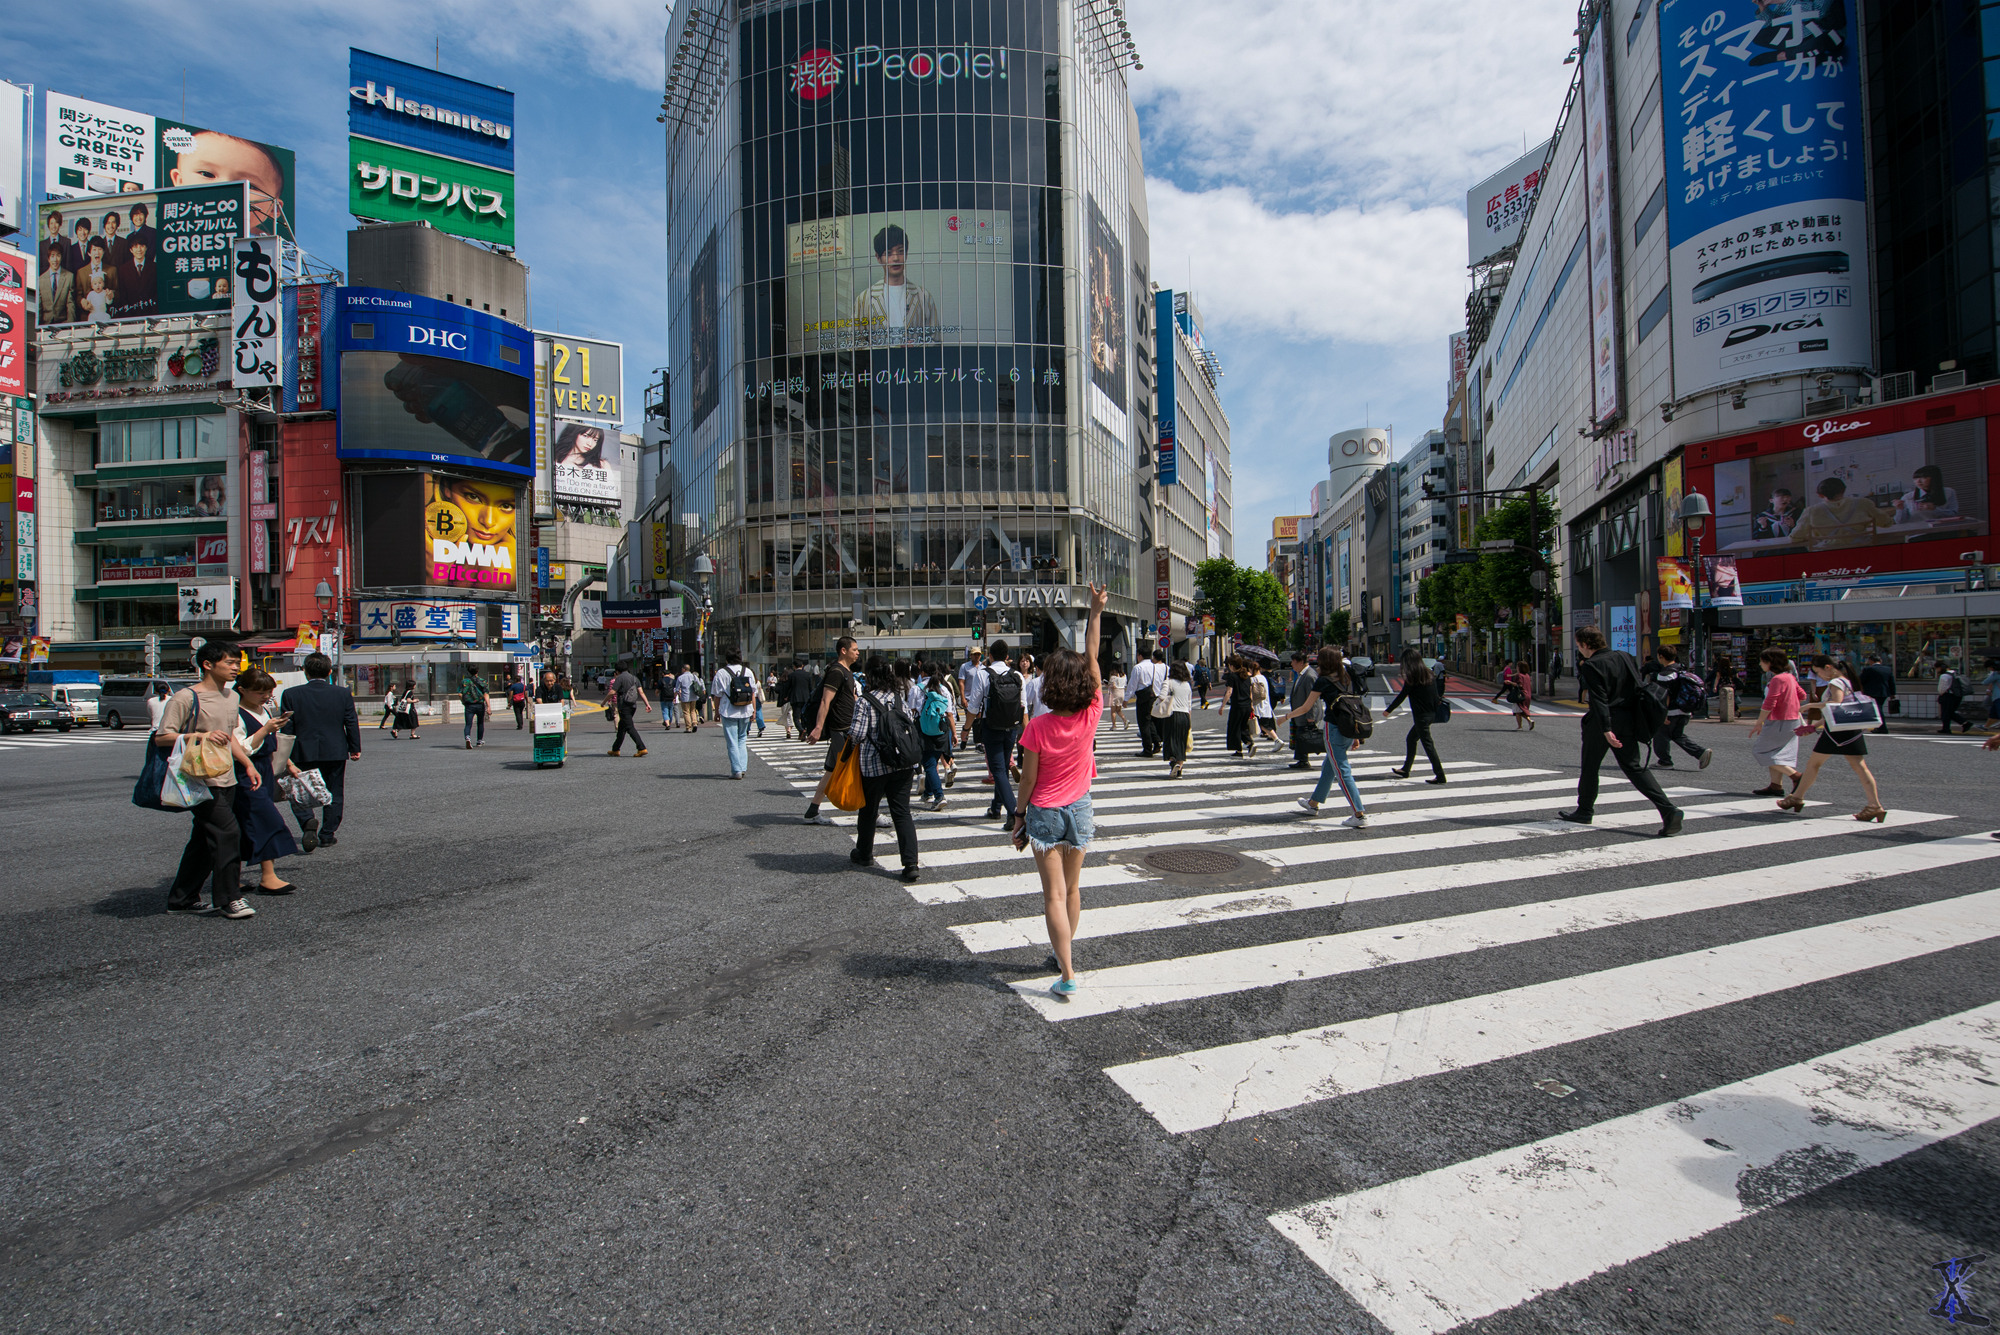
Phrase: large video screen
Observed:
(892, 280)
(410, 406)
(1908, 486)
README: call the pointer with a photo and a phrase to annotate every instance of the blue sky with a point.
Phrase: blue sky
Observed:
(1307, 160)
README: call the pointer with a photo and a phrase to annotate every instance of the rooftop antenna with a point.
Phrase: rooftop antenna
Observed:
(437, 54)
(184, 92)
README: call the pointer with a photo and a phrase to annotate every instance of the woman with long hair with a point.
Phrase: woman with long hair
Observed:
(1774, 737)
(1114, 697)
(1236, 700)
(1179, 691)
(1420, 688)
(1332, 683)
(1059, 761)
(1837, 683)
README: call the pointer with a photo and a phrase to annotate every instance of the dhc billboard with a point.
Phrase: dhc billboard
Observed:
(430, 381)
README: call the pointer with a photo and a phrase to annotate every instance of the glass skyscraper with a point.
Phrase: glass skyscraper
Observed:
(906, 239)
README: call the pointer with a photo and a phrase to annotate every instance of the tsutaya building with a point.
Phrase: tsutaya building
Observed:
(909, 261)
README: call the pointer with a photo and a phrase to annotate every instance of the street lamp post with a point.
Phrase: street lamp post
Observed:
(1695, 514)
(329, 617)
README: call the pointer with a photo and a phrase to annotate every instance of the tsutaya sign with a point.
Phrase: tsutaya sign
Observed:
(1030, 595)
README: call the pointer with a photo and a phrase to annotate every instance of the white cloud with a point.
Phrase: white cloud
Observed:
(1354, 99)
(1391, 274)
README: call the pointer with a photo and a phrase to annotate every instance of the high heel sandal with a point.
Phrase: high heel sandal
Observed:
(1874, 813)
(1791, 804)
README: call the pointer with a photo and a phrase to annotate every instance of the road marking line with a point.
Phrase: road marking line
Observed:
(1240, 1080)
(1427, 1253)
(1228, 905)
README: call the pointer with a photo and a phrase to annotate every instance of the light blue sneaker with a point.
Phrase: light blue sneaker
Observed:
(1064, 988)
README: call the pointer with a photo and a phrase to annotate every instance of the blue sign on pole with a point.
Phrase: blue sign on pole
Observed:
(979, 602)
(541, 567)
(1167, 453)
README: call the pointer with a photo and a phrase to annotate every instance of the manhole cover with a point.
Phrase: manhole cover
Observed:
(1193, 862)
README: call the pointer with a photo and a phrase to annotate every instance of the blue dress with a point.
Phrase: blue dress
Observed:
(266, 837)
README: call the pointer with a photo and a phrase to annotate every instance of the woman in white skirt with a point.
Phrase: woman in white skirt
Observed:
(1774, 739)
(1114, 697)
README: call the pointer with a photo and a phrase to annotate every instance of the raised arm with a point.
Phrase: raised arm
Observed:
(1093, 634)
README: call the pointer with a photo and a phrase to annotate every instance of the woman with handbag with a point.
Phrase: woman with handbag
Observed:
(1850, 742)
(1173, 705)
(1774, 737)
(1520, 693)
(1236, 700)
(388, 711)
(1420, 688)
(266, 837)
(406, 711)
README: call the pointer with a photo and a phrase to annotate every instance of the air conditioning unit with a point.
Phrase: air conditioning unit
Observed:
(1900, 385)
(1947, 380)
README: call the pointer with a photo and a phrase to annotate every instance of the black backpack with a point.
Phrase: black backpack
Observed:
(1651, 707)
(742, 688)
(895, 737)
(1350, 717)
(1003, 699)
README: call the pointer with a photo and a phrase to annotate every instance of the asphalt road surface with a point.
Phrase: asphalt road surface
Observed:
(625, 1046)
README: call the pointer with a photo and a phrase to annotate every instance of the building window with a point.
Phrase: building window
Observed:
(1656, 311)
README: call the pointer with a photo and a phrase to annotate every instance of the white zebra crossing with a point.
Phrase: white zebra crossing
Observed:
(1462, 1241)
(1427, 1253)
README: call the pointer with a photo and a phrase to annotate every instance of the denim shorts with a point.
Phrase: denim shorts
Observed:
(1072, 825)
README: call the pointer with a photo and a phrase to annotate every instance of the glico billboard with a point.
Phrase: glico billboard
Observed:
(429, 381)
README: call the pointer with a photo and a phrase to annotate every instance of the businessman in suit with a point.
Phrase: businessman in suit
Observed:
(329, 735)
(1609, 679)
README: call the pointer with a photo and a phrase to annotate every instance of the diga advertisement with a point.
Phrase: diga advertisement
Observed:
(469, 527)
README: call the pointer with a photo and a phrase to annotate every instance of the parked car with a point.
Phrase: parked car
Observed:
(21, 711)
(122, 700)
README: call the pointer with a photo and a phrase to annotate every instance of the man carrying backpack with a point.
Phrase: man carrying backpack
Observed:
(472, 699)
(735, 692)
(1685, 694)
(517, 696)
(997, 694)
(890, 749)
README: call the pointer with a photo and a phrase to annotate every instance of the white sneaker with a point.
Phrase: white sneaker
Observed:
(1358, 821)
(1306, 805)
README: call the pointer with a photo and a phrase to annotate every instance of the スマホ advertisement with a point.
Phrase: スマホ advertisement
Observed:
(882, 280)
(586, 462)
(95, 149)
(1766, 199)
(469, 533)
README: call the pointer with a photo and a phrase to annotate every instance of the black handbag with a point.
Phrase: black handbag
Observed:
(1442, 714)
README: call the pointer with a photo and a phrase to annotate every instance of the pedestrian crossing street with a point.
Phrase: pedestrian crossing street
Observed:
(1468, 947)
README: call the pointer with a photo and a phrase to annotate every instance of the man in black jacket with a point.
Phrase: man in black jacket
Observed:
(329, 735)
(1878, 683)
(1609, 680)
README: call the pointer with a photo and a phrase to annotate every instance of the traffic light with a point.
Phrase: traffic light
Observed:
(978, 632)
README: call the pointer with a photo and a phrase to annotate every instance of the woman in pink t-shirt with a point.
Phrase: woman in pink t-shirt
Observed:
(1059, 750)
(1774, 737)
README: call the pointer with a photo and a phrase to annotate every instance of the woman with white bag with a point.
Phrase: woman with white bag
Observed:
(1839, 736)
(205, 717)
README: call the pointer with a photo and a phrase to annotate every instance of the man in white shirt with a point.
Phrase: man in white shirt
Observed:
(687, 689)
(734, 680)
(967, 670)
(1148, 675)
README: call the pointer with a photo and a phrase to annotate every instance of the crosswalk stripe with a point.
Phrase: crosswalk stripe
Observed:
(1190, 977)
(1240, 1080)
(1182, 793)
(1427, 1253)
(963, 888)
(1201, 910)
(1348, 843)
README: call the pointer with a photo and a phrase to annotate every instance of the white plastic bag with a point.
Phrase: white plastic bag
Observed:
(178, 791)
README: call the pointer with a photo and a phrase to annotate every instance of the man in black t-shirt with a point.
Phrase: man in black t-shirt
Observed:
(836, 714)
